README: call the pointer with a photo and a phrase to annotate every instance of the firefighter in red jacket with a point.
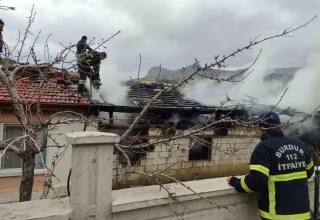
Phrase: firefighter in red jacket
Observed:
(280, 167)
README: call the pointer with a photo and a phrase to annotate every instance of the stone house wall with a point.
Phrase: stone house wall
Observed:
(229, 155)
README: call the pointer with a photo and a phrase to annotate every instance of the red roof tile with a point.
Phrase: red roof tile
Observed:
(54, 91)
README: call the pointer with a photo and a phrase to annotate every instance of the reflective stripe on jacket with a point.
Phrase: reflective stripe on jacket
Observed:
(279, 170)
(88, 59)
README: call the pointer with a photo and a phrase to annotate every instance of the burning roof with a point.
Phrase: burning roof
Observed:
(142, 93)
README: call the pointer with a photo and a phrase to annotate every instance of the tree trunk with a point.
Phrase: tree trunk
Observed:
(26, 185)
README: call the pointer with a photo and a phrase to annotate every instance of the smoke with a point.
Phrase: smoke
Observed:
(174, 119)
(307, 131)
(195, 119)
(113, 90)
(210, 92)
(302, 93)
(303, 90)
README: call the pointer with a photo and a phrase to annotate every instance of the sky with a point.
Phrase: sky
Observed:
(170, 32)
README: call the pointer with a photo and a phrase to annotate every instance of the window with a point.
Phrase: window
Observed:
(221, 132)
(137, 136)
(12, 161)
(201, 150)
(221, 129)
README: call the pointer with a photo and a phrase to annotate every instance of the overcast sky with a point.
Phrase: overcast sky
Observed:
(170, 32)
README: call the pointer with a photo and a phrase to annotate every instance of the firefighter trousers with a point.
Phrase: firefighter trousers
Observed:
(85, 72)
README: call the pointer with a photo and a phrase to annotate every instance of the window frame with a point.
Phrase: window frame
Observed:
(16, 171)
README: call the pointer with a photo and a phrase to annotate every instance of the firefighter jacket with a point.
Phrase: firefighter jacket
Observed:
(280, 167)
(85, 61)
(88, 59)
(82, 47)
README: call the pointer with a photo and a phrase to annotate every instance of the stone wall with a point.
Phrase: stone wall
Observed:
(148, 202)
(92, 196)
(229, 155)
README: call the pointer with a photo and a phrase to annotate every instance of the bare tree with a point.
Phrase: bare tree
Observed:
(27, 110)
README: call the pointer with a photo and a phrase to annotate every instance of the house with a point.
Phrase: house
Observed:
(170, 114)
(223, 151)
(58, 93)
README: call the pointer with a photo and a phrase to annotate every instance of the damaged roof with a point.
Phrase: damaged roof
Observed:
(142, 93)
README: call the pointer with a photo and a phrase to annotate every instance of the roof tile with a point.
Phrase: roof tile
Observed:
(54, 91)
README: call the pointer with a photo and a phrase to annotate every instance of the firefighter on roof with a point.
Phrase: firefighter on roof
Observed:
(82, 46)
(89, 66)
(280, 167)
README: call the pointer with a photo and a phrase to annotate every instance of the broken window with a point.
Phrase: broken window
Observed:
(201, 150)
(137, 136)
(221, 129)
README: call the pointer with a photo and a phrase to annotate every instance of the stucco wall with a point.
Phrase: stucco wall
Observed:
(230, 155)
(58, 136)
(9, 185)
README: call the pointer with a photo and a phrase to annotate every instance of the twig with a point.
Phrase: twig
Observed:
(138, 78)
(142, 113)
(27, 31)
(159, 73)
(230, 79)
(10, 145)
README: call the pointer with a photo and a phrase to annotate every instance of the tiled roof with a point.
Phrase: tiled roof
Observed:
(56, 90)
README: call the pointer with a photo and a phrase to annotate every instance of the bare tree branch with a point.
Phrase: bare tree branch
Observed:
(231, 78)
(143, 112)
(27, 31)
(138, 78)
(12, 147)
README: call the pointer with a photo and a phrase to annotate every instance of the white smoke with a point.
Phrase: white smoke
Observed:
(210, 92)
(113, 90)
(303, 90)
(302, 94)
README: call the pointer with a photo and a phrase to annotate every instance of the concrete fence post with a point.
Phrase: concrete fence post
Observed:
(91, 178)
